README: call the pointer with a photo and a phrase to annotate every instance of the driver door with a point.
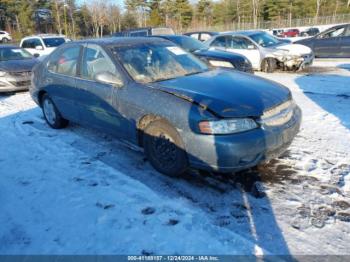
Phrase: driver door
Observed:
(328, 43)
(244, 47)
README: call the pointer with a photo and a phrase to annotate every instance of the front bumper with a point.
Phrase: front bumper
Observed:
(299, 62)
(14, 83)
(231, 153)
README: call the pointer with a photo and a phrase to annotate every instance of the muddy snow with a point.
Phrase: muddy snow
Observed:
(78, 191)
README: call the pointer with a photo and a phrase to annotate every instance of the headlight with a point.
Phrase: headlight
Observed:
(2, 73)
(221, 63)
(229, 126)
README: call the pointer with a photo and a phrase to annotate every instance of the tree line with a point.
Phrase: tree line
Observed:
(102, 17)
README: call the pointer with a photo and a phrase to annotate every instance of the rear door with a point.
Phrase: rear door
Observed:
(60, 81)
(219, 43)
(98, 102)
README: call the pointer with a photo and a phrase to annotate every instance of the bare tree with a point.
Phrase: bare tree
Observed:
(58, 16)
(114, 18)
(255, 12)
(98, 11)
(318, 7)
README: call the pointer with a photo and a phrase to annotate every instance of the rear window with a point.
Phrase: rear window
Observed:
(162, 31)
(54, 41)
(139, 33)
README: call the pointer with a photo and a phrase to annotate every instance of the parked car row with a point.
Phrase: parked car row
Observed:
(158, 96)
(331, 43)
(265, 52)
(186, 103)
(312, 31)
(16, 63)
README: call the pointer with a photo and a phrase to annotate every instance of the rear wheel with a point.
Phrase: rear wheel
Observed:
(51, 113)
(268, 65)
(164, 148)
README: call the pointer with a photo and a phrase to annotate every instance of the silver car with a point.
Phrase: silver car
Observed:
(16, 65)
(264, 51)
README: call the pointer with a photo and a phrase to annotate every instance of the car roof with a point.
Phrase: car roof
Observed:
(43, 36)
(245, 33)
(202, 32)
(120, 40)
(337, 26)
(9, 46)
(171, 36)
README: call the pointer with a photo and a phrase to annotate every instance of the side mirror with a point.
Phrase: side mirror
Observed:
(251, 47)
(320, 36)
(36, 55)
(109, 78)
(39, 47)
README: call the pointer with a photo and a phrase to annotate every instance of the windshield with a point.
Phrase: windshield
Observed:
(7, 54)
(54, 41)
(188, 43)
(152, 62)
(265, 39)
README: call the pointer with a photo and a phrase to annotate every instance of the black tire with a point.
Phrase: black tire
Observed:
(164, 149)
(55, 120)
(268, 65)
(5, 40)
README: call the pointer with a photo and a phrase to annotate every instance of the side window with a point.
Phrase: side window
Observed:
(195, 36)
(36, 42)
(65, 62)
(334, 33)
(205, 37)
(26, 44)
(347, 33)
(96, 61)
(219, 42)
(241, 43)
(139, 33)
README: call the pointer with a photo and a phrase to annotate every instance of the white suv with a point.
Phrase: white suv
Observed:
(5, 37)
(41, 45)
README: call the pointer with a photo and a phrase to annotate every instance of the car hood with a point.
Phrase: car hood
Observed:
(18, 65)
(295, 49)
(227, 93)
(214, 53)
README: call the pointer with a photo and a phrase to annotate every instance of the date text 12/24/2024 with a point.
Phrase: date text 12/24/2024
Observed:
(173, 258)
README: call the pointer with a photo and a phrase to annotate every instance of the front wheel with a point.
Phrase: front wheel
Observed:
(268, 65)
(51, 113)
(164, 148)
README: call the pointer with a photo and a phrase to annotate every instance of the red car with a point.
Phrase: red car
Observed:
(291, 33)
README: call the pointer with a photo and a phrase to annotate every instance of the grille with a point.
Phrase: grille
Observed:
(278, 115)
(20, 74)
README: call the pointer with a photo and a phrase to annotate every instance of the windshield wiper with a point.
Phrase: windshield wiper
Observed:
(194, 73)
(164, 79)
(169, 78)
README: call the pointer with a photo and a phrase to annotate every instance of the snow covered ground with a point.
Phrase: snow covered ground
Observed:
(78, 191)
